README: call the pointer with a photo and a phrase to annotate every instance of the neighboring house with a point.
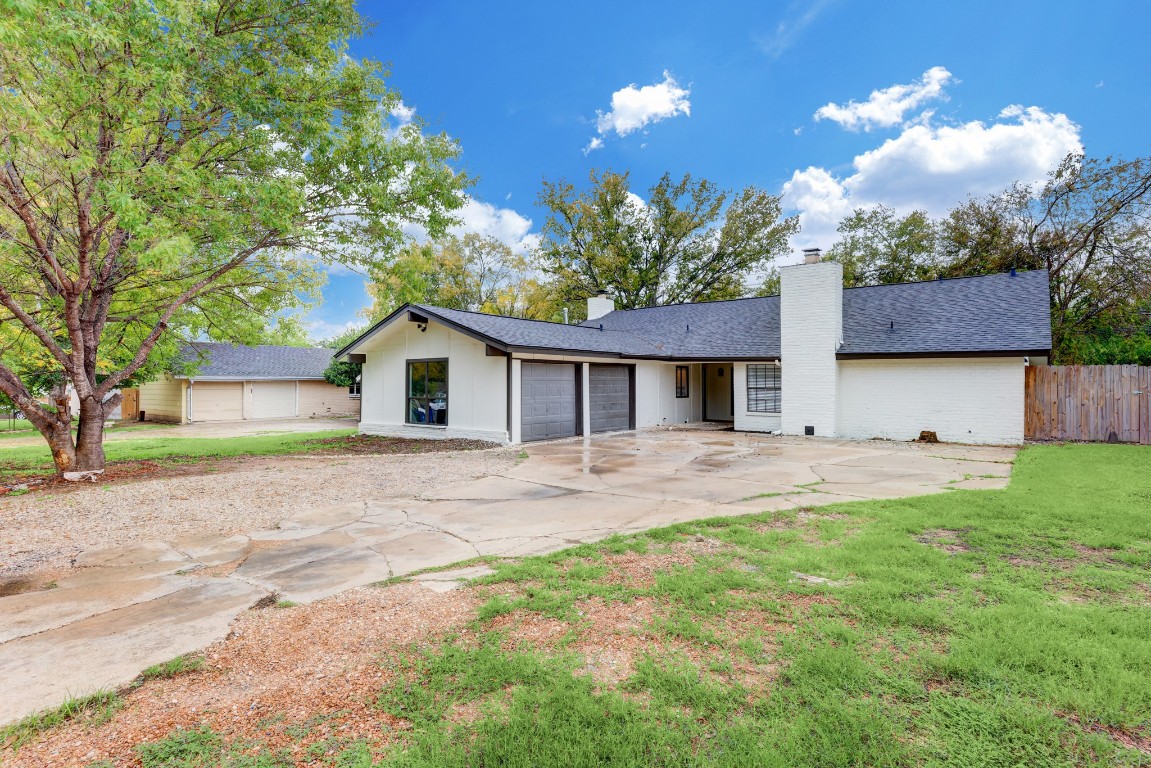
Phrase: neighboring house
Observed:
(236, 382)
(886, 361)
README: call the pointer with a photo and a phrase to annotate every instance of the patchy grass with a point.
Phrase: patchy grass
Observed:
(93, 709)
(937, 647)
(146, 455)
(982, 628)
(181, 665)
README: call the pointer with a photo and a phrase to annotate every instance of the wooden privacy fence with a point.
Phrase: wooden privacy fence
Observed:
(1088, 402)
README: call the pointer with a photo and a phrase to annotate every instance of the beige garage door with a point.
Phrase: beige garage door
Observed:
(273, 399)
(216, 401)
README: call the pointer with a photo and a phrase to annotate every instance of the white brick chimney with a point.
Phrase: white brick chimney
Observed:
(811, 328)
(599, 305)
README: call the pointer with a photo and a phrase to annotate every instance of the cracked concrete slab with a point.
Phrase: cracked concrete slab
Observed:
(109, 649)
(134, 606)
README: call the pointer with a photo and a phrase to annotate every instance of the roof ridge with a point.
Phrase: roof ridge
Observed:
(1019, 272)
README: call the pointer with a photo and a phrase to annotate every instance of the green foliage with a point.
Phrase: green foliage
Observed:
(180, 665)
(339, 372)
(1110, 349)
(94, 708)
(878, 247)
(203, 748)
(206, 158)
(1087, 225)
(690, 241)
(473, 273)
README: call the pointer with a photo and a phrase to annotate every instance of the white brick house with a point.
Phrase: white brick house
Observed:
(884, 361)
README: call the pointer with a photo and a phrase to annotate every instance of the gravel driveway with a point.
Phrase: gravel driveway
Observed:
(45, 531)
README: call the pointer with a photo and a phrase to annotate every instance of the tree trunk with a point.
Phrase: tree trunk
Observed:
(82, 458)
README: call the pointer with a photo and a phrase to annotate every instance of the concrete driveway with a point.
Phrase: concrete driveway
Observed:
(131, 607)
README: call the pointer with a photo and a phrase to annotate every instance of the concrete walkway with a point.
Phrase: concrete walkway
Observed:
(131, 607)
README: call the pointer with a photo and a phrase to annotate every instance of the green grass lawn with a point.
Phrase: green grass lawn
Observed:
(970, 628)
(16, 461)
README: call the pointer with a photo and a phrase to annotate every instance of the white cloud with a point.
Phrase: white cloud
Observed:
(887, 106)
(932, 168)
(504, 224)
(595, 143)
(322, 330)
(797, 18)
(633, 108)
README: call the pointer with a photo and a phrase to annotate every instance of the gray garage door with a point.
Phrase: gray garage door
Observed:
(610, 398)
(548, 401)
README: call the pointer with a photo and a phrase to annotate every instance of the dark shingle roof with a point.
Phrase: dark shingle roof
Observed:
(231, 361)
(741, 328)
(993, 313)
(515, 332)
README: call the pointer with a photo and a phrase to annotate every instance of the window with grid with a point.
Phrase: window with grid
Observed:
(763, 388)
(682, 377)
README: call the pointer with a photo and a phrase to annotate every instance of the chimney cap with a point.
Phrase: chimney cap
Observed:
(601, 292)
(812, 255)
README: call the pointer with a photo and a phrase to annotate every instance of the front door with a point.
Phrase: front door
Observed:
(718, 392)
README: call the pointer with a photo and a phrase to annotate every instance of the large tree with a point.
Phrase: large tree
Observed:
(184, 164)
(1089, 225)
(878, 246)
(473, 272)
(690, 241)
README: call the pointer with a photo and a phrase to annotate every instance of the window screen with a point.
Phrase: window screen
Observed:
(763, 388)
(682, 376)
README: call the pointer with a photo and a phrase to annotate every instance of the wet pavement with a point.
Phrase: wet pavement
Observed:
(131, 607)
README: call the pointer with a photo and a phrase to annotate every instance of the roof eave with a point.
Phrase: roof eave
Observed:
(943, 354)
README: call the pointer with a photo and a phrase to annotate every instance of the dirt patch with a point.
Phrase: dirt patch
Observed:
(945, 540)
(1130, 739)
(292, 678)
(378, 445)
(639, 571)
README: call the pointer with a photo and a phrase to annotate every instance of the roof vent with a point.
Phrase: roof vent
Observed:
(811, 255)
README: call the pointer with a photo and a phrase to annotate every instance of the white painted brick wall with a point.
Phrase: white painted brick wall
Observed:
(745, 420)
(811, 323)
(963, 400)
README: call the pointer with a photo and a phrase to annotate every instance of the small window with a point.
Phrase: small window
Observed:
(763, 388)
(682, 376)
(427, 401)
(354, 390)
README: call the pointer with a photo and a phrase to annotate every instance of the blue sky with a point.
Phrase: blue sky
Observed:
(834, 103)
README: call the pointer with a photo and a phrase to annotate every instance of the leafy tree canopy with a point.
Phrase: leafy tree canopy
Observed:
(691, 241)
(472, 272)
(179, 167)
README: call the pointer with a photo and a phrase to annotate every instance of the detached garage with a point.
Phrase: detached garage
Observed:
(225, 382)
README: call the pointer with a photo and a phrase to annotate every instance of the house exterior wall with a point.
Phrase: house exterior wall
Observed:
(655, 400)
(319, 399)
(745, 420)
(811, 330)
(477, 385)
(963, 400)
(164, 400)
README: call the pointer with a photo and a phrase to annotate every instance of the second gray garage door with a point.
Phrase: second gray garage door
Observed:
(610, 398)
(547, 401)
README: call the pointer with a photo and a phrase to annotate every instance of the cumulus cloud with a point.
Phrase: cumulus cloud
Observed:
(886, 107)
(933, 168)
(504, 224)
(634, 108)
